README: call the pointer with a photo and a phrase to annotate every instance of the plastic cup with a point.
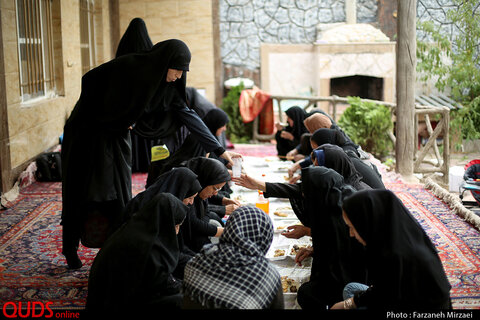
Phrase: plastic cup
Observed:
(237, 167)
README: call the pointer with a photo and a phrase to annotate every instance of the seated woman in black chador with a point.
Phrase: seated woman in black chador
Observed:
(183, 184)
(368, 170)
(202, 224)
(145, 91)
(288, 138)
(316, 201)
(404, 269)
(234, 274)
(132, 271)
(337, 258)
(333, 157)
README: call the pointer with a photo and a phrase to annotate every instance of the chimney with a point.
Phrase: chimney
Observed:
(351, 11)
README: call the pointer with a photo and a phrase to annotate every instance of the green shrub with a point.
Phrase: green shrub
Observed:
(368, 125)
(237, 131)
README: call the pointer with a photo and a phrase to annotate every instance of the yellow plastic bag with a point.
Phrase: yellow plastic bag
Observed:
(160, 153)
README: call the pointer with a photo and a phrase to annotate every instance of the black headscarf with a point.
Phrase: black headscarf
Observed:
(131, 270)
(215, 119)
(181, 182)
(297, 114)
(338, 160)
(338, 259)
(403, 265)
(335, 137)
(209, 171)
(135, 39)
(157, 121)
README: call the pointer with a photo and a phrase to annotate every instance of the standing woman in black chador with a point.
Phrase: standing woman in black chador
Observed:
(132, 272)
(404, 269)
(144, 90)
(136, 40)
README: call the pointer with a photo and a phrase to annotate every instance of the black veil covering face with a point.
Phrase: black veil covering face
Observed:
(404, 268)
(96, 148)
(338, 258)
(131, 270)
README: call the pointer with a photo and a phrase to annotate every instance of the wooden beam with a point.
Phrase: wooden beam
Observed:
(406, 64)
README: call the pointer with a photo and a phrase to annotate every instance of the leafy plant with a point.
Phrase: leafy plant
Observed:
(237, 131)
(462, 74)
(368, 125)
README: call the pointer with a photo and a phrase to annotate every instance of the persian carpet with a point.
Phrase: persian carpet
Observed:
(32, 267)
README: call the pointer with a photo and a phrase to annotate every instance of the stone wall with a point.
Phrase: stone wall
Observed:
(245, 24)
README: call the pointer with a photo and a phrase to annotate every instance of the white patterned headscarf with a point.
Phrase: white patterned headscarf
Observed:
(234, 274)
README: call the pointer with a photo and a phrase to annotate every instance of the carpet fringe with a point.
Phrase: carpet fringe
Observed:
(454, 202)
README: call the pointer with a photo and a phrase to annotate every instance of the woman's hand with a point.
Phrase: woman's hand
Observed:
(229, 208)
(287, 135)
(294, 179)
(296, 232)
(219, 231)
(250, 183)
(344, 305)
(292, 153)
(226, 201)
(294, 168)
(229, 155)
(303, 254)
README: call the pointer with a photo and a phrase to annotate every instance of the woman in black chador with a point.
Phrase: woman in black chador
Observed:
(145, 91)
(216, 121)
(133, 270)
(136, 40)
(404, 269)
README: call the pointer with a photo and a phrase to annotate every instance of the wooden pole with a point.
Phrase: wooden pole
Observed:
(406, 64)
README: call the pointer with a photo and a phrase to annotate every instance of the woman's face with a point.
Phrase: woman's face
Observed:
(189, 200)
(211, 190)
(313, 144)
(353, 231)
(220, 130)
(173, 74)
(290, 121)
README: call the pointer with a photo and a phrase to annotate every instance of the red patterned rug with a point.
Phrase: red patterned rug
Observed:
(32, 267)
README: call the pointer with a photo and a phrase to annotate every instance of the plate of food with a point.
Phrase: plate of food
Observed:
(284, 213)
(294, 248)
(282, 224)
(279, 252)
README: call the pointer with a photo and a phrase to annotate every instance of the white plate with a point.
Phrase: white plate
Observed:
(286, 213)
(271, 253)
(282, 224)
